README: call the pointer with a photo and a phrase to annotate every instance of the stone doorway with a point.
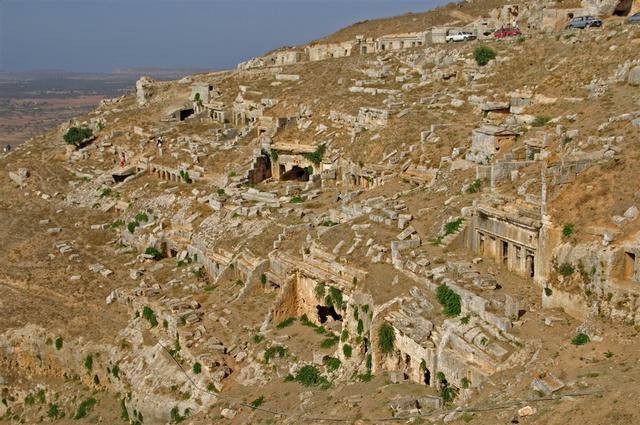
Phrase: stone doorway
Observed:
(629, 265)
(327, 311)
(531, 263)
(296, 173)
(427, 377)
(505, 252)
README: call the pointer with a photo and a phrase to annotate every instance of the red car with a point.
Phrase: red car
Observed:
(507, 32)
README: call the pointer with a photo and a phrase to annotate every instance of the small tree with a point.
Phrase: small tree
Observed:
(75, 135)
(484, 54)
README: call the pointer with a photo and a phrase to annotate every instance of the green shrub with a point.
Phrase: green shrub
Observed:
(176, 417)
(142, 217)
(452, 226)
(157, 255)
(334, 298)
(567, 230)
(54, 411)
(369, 362)
(332, 363)
(184, 175)
(104, 192)
(257, 402)
(198, 100)
(566, 269)
(449, 300)
(117, 223)
(316, 156)
(309, 375)
(59, 343)
(521, 39)
(548, 291)
(347, 350)
(320, 290)
(330, 342)
(41, 397)
(465, 383)
(345, 335)
(386, 338)
(263, 279)
(88, 362)
(274, 350)
(296, 200)
(274, 155)
(465, 320)
(115, 371)
(75, 135)
(197, 368)
(541, 121)
(365, 377)
(29, 400)
(448, 393)
(328, 223)
(132, 226)
(124, 413)
(475, 186)
(580, 339)
(286, 322)
(304, 321)
(84, 407)
(484, 54)
(150, 316)
(360, 327)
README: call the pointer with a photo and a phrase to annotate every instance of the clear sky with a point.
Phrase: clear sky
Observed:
(100, 35)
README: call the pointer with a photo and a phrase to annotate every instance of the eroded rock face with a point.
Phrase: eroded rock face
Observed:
(609, 7)
(144, 90)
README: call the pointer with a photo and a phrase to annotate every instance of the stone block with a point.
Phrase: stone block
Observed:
(634, 76)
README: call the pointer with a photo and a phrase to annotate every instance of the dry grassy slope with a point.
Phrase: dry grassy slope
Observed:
(413, 22)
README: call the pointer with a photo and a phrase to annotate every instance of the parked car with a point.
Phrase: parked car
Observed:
(634, 19)
(582, 22)
(460, 36)
(507, 32)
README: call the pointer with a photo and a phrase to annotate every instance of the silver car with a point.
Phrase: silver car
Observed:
(583, 22)
(634, 19)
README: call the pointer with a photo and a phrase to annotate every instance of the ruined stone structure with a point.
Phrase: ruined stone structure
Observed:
(290, 163)
(400, 41)
(327, 51)
(488, 142)
(510, 238)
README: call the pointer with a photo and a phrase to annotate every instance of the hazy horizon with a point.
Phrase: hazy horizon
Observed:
(98, 36)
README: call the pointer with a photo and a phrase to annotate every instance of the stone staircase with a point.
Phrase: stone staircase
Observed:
(447, 240)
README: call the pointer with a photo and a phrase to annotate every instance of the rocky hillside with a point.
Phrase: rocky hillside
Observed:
(382, 226)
